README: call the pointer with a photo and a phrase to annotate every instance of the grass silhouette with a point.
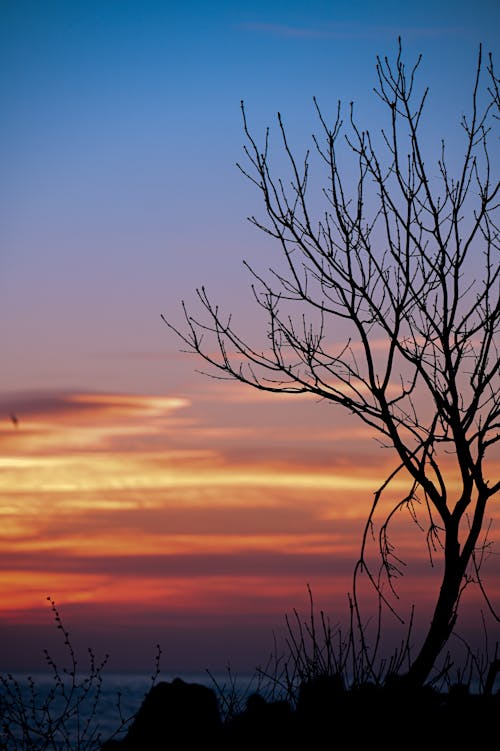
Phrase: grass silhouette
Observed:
(319, 684)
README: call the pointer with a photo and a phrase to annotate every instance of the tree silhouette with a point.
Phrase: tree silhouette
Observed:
(400, 260)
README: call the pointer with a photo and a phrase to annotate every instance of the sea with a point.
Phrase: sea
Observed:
(39, 712)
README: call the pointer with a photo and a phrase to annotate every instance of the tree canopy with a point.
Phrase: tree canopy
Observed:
(399, 257)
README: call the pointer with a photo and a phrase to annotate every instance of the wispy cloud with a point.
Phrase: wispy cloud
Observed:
(351, 31)
(174, 506)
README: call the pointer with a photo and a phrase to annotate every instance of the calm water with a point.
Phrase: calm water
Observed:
(29, 709)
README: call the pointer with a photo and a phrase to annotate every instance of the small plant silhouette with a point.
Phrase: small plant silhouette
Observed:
(65, 716)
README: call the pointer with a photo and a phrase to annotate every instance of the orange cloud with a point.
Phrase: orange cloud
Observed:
(195, 507)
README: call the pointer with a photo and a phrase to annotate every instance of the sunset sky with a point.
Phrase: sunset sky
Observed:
(152, 503)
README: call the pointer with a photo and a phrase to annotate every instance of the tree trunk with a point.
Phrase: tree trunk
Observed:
(444, 617)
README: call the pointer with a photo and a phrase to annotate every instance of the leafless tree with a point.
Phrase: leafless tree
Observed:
(401, 259)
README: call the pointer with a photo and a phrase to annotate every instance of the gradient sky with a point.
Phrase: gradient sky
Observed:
(153, 504)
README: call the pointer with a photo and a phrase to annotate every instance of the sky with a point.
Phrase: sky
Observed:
(154, 504)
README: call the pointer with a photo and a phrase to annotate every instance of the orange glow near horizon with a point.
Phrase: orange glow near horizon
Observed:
(185, 506)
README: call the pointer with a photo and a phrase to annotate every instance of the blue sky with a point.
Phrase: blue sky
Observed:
(118, 141)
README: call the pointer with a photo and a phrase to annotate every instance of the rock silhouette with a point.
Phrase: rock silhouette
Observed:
(261, 725)
(180, 715)
(173, 715)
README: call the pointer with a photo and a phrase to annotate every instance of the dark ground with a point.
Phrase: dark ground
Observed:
(181, 715)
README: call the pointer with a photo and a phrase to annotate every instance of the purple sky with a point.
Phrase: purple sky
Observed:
(119, 194)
